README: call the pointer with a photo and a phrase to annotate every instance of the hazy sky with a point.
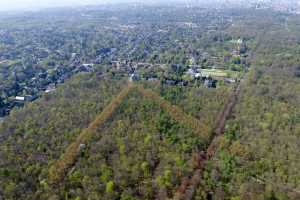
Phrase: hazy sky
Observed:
(34, 4)
(7, 5)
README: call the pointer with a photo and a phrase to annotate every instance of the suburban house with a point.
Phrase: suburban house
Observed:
(210, 83)
(230, 80)
(50, 88)
(25, 98)
(134, 77)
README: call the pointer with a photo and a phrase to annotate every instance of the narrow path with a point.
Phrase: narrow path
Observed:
(177, 113)
(189, 185)
(59, 169)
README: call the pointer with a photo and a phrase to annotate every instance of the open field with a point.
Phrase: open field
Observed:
(219, 73)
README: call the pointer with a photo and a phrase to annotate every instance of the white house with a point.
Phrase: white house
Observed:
(19, 98)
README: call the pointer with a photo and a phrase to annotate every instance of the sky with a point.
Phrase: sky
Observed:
(12, 5)
(8, 5)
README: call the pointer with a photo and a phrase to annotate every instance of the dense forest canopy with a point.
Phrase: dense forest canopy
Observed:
(114, 98)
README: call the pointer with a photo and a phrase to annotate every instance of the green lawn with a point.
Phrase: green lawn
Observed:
(219, 73)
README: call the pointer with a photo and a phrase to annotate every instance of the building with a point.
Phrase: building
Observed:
(191, 72)
(198, 75)
(88, 65)
(210, 83)
(230, 80)
(170, 82)
(134, 77)
(152, 78)
(20, 98)
(50, 88)
(84, 68)
(25, 98)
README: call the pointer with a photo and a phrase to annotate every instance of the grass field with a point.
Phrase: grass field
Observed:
(219, 73)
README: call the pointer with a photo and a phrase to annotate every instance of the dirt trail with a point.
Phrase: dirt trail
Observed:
(177, 113)
(223, 116)
(189, 185)
(58, 170)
